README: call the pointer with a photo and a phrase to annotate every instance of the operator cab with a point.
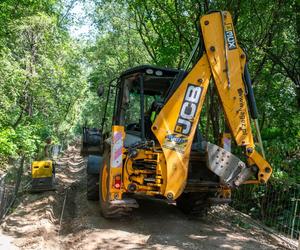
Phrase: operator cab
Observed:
(141, 94)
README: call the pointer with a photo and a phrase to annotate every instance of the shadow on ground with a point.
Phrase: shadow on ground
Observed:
(155, 225)
(34, 224)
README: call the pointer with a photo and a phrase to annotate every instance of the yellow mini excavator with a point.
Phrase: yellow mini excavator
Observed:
(42, 176)
(154, 146)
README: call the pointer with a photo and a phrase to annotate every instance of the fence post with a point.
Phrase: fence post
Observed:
(294, 217)
(19, 177)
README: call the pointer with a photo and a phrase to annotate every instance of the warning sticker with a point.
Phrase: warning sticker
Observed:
(175, 142)
(116, 150)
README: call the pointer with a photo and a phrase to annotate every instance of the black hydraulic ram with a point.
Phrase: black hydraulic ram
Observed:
(250, 95)
(252, 106)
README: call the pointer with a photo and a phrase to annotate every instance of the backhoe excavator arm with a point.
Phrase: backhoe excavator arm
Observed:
(175, 125)
(227, 62)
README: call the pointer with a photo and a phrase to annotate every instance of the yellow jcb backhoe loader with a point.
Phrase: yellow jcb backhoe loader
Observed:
(154, 146)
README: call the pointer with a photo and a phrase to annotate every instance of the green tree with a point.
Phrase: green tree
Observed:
(42, 78)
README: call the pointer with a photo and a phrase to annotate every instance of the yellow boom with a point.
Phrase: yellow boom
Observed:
(225, 61)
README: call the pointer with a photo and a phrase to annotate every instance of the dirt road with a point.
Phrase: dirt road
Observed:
(34, 224)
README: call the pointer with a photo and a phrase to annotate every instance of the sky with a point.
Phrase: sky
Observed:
(82, 26)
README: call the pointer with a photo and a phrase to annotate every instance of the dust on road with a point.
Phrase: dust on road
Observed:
(34, 224)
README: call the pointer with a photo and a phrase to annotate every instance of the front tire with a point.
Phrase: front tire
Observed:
(92, 187)
(103, 187)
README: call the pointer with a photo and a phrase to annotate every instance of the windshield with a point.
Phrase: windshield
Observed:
(129, 112)
(133, 112)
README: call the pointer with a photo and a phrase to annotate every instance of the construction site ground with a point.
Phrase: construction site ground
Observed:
(37, 222)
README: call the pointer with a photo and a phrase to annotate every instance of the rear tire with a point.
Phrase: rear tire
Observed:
(195, 204)
(109, 210)
(92, 187)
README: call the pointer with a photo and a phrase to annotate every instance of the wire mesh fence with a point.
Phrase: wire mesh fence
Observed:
(3, 195)
(275, 205)
(10, 184)
(17, 179)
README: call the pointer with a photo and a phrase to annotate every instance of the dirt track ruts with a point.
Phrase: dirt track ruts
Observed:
(34, 224)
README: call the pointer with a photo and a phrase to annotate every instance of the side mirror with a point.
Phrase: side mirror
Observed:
(100, 90)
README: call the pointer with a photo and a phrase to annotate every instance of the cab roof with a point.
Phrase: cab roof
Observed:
(157, 80)
(150, 70)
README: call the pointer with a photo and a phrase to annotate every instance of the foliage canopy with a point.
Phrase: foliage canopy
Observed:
(49, 79)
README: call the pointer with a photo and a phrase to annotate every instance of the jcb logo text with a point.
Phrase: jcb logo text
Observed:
(188, 109)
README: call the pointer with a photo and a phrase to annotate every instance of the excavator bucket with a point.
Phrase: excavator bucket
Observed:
(43, 176)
